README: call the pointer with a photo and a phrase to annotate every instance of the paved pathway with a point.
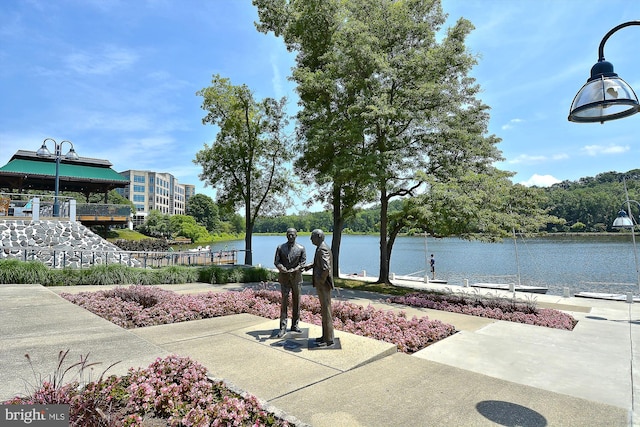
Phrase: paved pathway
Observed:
(490, 373)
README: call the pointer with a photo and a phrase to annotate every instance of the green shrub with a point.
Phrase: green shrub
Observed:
(177, 274)
(210, 274)
(259, 274)
(145, 276)
(217, 274)
(64, 277)
(112, 274)
(234, 275)
(10, 271)
(14, 271)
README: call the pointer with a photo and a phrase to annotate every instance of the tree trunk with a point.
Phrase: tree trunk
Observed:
(248, 254)
(392, 238)
(383, 276)
(338, 223)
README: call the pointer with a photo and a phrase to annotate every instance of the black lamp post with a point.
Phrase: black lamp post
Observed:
(71, 155)
(605, 96)
(627, 221)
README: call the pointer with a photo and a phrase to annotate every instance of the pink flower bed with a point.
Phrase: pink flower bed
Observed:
(173, 391)
(494, 308)
(177, 390)
(138, 306)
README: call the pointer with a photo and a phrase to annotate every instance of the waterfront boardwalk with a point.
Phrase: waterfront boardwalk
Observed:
(489, 373)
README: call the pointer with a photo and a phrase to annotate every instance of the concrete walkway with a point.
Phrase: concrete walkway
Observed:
(490, 373)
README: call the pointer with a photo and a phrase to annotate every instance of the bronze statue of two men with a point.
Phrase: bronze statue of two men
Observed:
(290, 260)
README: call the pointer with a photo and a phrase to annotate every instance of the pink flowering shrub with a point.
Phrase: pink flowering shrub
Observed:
(494, 308)
(175, 389)
(138, 306)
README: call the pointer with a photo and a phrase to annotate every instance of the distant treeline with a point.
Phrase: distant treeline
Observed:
(365, 221)
(587, 205)
(591, 204)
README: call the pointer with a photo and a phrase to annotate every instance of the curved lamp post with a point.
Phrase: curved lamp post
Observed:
(605, 96)
(628, 221)
(43, 151)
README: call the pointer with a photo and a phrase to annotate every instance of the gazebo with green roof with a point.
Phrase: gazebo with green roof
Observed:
(28, 171)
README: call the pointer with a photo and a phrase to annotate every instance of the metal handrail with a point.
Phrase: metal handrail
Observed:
(85, 258)
(46, 207)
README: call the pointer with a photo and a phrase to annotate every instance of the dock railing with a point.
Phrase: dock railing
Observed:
(74, 258)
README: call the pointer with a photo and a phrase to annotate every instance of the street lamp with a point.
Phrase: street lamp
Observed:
(628, 221)
(605, 96)
(71, 155)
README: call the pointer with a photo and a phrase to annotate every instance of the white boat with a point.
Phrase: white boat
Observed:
(436, 281)
(511, 287)
(605, 296)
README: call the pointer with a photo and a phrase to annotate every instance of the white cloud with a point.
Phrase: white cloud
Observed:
(529, 159)
(594, 150)
(96, 120)
(525, 158)
(276, 80)
(511, 124)
(105, 61)
(540, 181)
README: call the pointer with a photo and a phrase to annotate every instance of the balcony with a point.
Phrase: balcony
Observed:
(98, 213)
(40, 207)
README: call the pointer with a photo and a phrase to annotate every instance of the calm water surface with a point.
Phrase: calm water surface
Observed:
(581, 263)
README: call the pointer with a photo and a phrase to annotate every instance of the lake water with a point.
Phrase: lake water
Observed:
(581, 263)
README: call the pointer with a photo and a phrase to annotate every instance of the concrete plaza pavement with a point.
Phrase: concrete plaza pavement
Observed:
(489, 373)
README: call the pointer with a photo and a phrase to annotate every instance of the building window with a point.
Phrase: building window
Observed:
(138, 188)
(138, 178)
(138, 198)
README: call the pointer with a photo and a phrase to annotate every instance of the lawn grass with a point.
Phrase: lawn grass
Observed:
(381, 288)
(125, 234)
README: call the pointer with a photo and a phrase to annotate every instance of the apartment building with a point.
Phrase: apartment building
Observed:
(155, 190)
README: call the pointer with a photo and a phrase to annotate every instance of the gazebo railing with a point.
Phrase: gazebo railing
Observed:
(33, 205)
(38, 206)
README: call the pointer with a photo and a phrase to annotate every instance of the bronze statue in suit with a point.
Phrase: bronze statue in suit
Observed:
(323, 282)
(290, 261)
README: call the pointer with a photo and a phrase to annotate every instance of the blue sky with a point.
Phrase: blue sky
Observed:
(118, 78)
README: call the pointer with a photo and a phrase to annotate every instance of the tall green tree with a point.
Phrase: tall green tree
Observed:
(204, 210)
(157, 224)
(484, 206)
(398, 103)
(186, 225)
(247, 161)
(330, 128)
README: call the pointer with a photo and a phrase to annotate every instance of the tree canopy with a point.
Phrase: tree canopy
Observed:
(246, 162)
(205, 212)
(384, 104)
